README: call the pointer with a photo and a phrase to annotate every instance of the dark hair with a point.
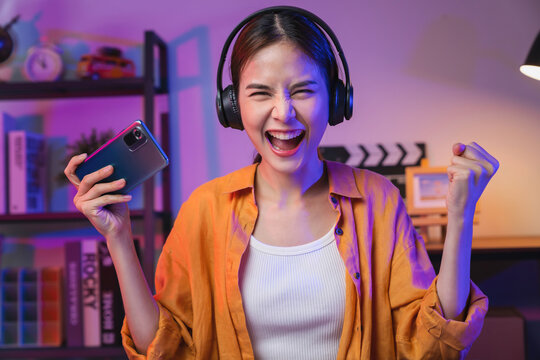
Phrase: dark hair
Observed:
(270, 28)
(284, 25)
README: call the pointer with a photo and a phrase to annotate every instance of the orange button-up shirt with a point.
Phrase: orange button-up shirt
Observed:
(392, 310)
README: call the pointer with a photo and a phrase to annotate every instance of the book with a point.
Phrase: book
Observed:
(112, 310)
(27, 180)
(73, 294)
(29, 329)
(9, 307)
(90, 292)
(50, 307)
(7, 124)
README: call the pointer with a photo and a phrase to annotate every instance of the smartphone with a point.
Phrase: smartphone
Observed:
(134, 154)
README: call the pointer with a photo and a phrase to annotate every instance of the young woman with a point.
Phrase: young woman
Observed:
(294, 257)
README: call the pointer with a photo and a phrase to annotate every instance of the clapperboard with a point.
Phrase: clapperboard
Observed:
(388, 159)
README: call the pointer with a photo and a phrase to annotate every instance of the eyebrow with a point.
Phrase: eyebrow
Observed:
(268, 88)
(258, 87)
(303, 84)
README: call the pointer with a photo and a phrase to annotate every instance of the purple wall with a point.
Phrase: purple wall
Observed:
(422, 71)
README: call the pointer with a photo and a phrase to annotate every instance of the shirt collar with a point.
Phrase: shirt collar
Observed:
(341, 179)
(241, 179)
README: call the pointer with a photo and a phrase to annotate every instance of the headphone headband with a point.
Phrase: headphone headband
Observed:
(223, 103)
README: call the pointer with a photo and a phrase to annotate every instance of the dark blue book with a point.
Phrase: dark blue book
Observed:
(73, 304)
(112, 309)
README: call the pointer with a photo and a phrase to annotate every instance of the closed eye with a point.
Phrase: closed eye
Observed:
(302, 93)
(259, 93)
(259, 89)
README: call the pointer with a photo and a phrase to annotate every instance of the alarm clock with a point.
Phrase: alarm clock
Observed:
(43, 63)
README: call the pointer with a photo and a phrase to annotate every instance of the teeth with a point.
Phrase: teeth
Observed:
(285, 135)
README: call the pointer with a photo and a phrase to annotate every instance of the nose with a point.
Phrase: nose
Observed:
(283, 109)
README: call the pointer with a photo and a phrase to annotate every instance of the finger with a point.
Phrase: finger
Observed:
(487, 155)
(88, 207)
(73, 163)
(457, 173)
(91, 179)
(462, 183)
(458, 148)
(474, 154)
(480, 149)
(481, 174)
(103, 188)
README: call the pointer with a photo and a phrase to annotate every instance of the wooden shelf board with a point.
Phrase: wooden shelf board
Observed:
(72, 89)
(495, 244)
(57, 353)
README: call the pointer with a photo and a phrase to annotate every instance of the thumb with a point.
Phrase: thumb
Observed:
(458, 148)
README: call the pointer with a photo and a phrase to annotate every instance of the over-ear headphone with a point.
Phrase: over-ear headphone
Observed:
(341, 100)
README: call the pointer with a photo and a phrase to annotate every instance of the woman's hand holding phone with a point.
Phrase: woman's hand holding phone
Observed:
(108, 213)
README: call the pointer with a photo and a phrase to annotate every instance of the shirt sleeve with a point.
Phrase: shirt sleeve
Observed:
(166, 344)
(420, 328)
(173, 338)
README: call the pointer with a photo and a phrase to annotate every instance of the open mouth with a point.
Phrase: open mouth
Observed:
(285, 140)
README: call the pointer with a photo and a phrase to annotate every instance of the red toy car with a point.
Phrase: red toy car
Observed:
(107, 64)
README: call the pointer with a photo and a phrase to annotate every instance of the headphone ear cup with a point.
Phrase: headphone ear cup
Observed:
(349, 102)
(337, 104)
(230, 109)
(219, 109)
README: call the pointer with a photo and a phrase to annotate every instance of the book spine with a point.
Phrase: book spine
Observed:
(50, 314)
(73, 295)
(7, 124)
(112, 311)
(36, 173)
(90, 293)
(29, 288)
(10, 316)
(17, 172)
(27, 172)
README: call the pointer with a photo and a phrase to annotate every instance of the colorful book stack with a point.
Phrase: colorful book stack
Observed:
(94, 310)
(31, 307)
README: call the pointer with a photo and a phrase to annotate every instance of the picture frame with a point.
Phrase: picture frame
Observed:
(426, 189)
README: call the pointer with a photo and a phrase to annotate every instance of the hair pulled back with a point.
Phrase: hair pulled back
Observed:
(285, 25)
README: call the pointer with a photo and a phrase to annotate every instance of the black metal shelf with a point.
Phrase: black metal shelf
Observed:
(60, 353)
(74, 89)
(150, 84)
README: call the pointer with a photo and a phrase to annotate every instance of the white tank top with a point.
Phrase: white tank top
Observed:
(294, 299)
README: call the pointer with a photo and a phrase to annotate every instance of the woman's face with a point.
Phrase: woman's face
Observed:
(284, 104)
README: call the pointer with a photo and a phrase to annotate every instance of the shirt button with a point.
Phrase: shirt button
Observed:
(357, 275)
(334, 200)
(339, 231)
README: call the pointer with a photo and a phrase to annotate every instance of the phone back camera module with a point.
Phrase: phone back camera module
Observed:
(135, 138)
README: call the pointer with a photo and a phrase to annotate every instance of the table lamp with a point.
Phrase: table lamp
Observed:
(531, 67)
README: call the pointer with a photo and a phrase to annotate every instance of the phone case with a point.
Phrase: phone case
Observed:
(134, 154)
